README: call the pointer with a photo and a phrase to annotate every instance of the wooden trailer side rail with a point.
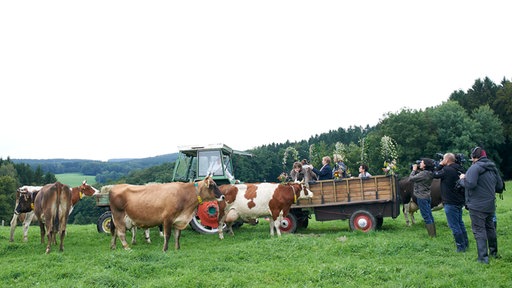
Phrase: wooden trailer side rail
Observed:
(351, 190)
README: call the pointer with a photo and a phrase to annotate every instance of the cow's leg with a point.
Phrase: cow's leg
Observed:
(62, 235)
(120, 230)
(147, 235)
(14, 222)
(167, 236)
(43, 231)
(134, 235)
(177, 234)
(221, 224)
(26, 224)
(405, 211)
(51, 235)
(113, 234)
(277, 224)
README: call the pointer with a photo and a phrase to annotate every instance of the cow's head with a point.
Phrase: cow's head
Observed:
(25, 201)
(302, 188)
(208, 190)
(87, 189)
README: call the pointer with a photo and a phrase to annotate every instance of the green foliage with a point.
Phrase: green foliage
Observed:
(7, 197)
(326, 254)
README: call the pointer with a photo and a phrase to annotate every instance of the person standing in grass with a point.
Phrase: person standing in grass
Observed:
(422, 178)
(481, 183)
(453, 199)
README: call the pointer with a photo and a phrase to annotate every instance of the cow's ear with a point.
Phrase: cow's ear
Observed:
(85, 182)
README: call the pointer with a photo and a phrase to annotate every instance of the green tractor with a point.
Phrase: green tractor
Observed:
(193, 164)
(196, 162)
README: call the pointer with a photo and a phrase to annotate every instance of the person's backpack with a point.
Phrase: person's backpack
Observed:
(500, 184)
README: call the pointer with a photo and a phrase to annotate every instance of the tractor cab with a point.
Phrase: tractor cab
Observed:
(196, 162)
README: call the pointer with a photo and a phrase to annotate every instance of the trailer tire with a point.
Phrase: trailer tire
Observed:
(362, 220)
(104, 222)
(289, 224)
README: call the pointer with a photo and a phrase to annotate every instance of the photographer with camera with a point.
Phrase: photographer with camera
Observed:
(453, 198)
(422, 177)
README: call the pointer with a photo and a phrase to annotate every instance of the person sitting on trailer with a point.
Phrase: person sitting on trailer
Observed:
(325, 173)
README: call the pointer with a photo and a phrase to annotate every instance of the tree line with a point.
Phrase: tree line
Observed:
(480, 116)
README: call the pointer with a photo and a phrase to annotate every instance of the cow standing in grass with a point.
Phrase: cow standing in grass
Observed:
(170, 204)
(23, 209)
(51, 207)
(250, 201)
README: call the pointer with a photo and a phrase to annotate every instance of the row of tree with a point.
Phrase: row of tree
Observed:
(481, 116)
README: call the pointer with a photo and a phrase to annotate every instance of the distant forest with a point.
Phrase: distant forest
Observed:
(480, 116)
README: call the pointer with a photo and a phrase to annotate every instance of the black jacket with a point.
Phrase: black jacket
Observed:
(449, 176)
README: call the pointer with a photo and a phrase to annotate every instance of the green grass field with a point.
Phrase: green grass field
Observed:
(75, 179)
(326, 254)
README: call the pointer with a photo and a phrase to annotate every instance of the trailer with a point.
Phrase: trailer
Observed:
(365, 202)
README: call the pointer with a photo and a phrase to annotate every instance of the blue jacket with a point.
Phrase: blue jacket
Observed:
(324, 173)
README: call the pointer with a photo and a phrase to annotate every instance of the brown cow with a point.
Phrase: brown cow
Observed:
(170, 204)
(54, 202)
(409, 205)
(25, 199)
(250, 201)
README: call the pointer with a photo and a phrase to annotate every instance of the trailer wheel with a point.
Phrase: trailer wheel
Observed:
(362, 220)
(289, 224)
(104, 222)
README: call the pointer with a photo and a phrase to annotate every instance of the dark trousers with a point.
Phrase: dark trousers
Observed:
(485, 234)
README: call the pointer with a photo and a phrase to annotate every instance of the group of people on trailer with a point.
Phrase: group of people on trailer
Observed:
(303, 170)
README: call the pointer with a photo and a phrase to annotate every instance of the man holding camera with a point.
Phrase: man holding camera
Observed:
(453, 199)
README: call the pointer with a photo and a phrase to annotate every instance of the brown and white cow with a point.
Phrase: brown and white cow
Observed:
(170, 204)
(409, 205)
(250, 201)
(52, 206)
(25, 196)
(23, 209)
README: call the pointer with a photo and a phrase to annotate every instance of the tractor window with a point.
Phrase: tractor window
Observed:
(210, 162)
(185, 168)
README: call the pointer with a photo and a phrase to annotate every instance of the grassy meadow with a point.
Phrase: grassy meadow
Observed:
(326, 254)
(75, 179)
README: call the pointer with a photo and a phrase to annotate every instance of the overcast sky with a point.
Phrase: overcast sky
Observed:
(133, 79)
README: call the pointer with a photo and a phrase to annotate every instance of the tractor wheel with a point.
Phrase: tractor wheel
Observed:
(104, 222)
(362, 220)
